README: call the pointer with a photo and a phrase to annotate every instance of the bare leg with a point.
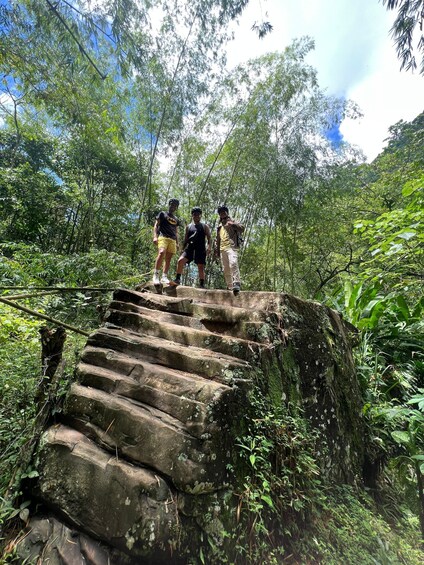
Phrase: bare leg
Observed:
(180, 265)
(201, 268)
(159, 259)
(168, 257)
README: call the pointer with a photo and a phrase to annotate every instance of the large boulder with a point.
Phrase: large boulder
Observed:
(145, 462)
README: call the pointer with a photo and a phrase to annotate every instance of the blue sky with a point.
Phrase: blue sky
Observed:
(354, 56)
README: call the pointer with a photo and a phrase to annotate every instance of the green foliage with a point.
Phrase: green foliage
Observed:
(20, 379)
(20, 375)
(20, 347)
(390, 361)
(395, 243)
(281, 484)
(405, 33)
(347, 528)
(286, 513)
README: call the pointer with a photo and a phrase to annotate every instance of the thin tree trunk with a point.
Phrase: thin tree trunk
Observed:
(293, 251)
(266, 252)
(211, 168)
(275, 258)
(164, 110)
(74, 224)
(168, 95)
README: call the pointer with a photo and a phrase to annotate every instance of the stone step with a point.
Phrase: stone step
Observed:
(48, 540)
(128, 507)
(194, 306)
(250, 300)
(211, 318)
(154, 301)
(218, 366)
(149, 437)
(184, 335)
(187, 385)
(198, 418)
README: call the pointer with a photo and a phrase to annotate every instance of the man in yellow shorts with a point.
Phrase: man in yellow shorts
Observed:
(165, 236)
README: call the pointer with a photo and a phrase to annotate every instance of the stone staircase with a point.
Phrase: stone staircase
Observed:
(147, 442)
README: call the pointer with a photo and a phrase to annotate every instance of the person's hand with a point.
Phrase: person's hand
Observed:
(155, 241)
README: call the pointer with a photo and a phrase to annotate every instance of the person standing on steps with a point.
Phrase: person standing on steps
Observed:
(165, 236)
(194, 246)
(228, 240)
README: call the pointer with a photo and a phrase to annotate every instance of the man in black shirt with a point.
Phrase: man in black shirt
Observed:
(165, 236)
(194, 246)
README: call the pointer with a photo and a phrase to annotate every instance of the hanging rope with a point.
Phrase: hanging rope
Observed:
(60, 288)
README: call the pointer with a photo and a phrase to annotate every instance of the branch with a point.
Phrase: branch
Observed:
(42, 316)
(68, 29)
(335, 272)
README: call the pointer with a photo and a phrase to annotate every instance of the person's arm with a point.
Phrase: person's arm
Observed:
(185, 237)
(155, 232)
(236, 225)
(185, 240)
(217, 243)
(209, 238)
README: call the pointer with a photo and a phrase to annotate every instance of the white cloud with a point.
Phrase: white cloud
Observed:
(354, 56)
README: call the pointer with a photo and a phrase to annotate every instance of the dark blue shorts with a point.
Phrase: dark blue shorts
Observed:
(198, 254)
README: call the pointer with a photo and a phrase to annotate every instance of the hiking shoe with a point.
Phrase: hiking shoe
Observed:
(236, 289)
(164, 279)
(156, 280)
(175, 282)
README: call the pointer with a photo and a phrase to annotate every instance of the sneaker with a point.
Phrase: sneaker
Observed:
(164, 279)
(156, 280)
(236, 289)
(175, 282)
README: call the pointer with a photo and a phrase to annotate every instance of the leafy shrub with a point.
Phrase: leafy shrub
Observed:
(282, 482)
(348, 529)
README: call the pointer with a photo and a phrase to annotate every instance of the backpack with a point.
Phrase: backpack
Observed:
(239, 240)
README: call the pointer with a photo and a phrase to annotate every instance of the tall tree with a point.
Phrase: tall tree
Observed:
(266, 149)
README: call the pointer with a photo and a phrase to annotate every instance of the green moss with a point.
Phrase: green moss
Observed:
(269, 380)
(290, 375)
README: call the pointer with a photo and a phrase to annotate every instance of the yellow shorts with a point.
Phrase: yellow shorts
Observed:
(170, 245)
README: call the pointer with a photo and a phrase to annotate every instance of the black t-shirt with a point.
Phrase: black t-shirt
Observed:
(167, 225)
(196, 235)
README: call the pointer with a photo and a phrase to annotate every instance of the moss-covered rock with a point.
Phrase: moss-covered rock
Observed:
(183, 402)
